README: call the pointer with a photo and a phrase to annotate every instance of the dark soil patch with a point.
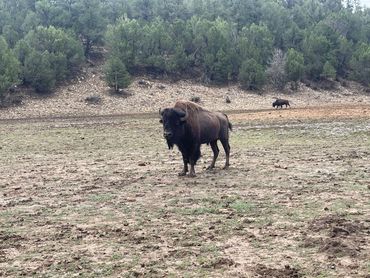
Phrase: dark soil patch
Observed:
(339, 248)
(343, 237)
(333, 247)
(220, 263)
(10, 240)
(336, 226)
(287, 272)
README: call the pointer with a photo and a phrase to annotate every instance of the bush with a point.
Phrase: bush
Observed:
(11, 99)
(251, 75)
(49, 55)
(360, 64)
(38, 72)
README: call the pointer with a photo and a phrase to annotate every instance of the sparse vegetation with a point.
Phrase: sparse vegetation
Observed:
(281, 211)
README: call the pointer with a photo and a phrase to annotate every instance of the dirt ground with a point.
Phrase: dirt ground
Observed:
(91, 190)
(100, 197)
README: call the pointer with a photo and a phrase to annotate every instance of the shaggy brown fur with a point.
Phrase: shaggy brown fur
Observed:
(188, 125)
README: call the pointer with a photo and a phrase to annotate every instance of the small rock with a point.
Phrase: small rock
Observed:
(144, 83)
(93, 99)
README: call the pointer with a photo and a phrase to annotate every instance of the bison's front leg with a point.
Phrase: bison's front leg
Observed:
(192, 171)
(195, 155)
(186, 161)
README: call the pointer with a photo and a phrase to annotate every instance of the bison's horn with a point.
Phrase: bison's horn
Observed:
(181, 113)
(185, 117)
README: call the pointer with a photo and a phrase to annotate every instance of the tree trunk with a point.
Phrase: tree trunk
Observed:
(87, 47)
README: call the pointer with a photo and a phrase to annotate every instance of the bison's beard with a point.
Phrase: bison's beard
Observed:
(170, 144)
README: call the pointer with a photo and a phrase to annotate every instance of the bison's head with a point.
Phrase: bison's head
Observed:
(173, 120)
(274, 104)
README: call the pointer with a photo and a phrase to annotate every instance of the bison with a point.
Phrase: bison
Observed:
(280, 102)
(188, 126)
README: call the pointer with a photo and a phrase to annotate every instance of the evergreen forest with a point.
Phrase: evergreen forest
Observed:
(252, 42)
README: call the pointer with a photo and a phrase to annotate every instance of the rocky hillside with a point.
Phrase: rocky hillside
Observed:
(88, 94)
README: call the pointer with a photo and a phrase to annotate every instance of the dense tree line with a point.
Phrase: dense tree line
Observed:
(43, 42)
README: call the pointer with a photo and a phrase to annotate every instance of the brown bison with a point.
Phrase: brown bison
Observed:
(188, 125)
(280, 102)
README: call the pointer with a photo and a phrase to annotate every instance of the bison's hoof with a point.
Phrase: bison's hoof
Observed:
(181, 174)
(226, 167)
(210, 167)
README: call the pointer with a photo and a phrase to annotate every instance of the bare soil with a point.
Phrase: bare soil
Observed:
(100, 196)
(91, 189)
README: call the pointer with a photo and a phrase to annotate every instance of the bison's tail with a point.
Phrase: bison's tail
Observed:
(230, 126)
(228, 123)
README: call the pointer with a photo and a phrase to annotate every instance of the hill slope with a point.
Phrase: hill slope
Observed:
(70, 99)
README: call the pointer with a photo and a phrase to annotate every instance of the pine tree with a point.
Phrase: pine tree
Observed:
(328, 71)
(116, 74)
(9, 68)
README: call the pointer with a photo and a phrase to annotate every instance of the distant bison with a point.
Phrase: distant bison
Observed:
(280, 102)
(188, 125)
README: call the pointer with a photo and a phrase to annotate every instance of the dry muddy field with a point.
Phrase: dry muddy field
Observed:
(100, 197)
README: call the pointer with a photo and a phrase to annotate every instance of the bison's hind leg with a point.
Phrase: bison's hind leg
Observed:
(226, 146)
(216, 151)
